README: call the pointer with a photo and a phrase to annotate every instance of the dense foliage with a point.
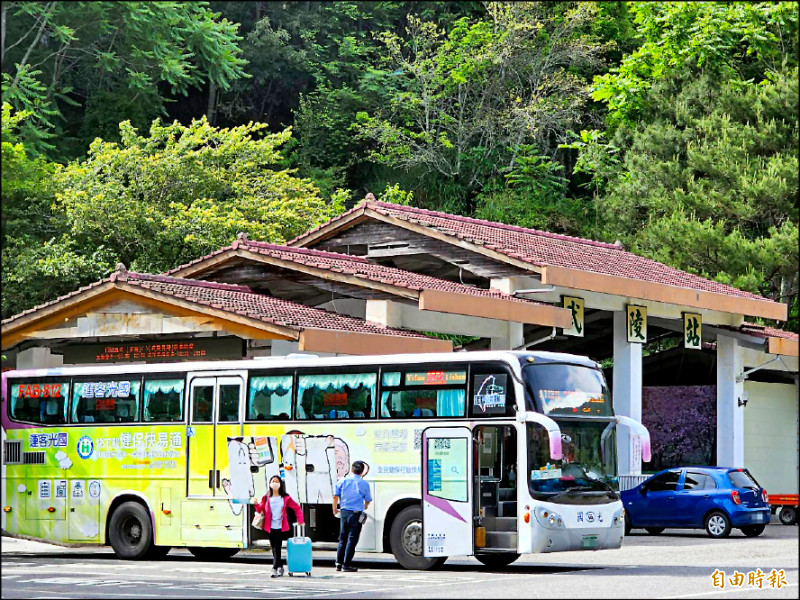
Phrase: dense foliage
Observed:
(670, 126)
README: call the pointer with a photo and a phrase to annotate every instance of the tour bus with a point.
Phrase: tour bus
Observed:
(485, 454)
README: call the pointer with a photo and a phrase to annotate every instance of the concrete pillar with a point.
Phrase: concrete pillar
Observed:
(385, 313)
(627, 390)
(730, 416)
(38, 358)
(512, 338)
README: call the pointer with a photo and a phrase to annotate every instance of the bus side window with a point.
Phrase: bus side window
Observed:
(269, 398)
(43, 402)
(106, 401)
(163, 400)
(336, 395)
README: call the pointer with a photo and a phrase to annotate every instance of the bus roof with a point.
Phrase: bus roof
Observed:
(303, 360)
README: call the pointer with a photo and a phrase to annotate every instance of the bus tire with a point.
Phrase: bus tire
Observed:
(212, 554)
(405, 540)
(130, 531)
(788, 515)
(497, 561)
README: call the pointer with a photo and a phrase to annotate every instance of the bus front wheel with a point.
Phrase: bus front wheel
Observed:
(130, 532)
(497, 561)
(405, 539)
(212, 554)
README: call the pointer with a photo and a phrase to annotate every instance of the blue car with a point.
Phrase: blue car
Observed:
(716, 499)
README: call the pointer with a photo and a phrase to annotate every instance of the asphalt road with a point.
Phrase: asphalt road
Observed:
(676, 564)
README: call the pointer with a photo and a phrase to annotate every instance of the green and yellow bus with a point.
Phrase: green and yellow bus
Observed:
(485, 454)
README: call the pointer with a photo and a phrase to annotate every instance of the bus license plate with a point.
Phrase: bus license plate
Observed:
(590, 541)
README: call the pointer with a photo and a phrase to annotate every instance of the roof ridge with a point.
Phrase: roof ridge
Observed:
(306, 251)
(360, 206)
(191, 282)
(495, 224)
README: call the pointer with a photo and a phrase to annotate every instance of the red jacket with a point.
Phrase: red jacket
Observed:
(264, 507)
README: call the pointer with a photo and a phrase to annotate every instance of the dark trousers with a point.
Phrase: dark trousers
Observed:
(275, 542)
(349, 532)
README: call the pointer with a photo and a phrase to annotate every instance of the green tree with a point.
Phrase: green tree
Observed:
(95, 61)
(183, 191)
(473, 95)
(709, 182)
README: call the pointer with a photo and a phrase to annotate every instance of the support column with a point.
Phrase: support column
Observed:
(730, 416)
(627, 390)
(513, 339)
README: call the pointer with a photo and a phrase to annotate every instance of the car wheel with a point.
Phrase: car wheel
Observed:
(405, 539)
(718, 525)
(130, 532)
(628, 524)
(212, 554)
(788, 515)
(753, 530)
(654, 530)
(497, 561)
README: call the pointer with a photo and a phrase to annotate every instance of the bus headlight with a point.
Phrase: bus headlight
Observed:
(548, 518)
(619, 518)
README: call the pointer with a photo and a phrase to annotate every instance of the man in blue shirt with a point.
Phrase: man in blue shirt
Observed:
(353, 496)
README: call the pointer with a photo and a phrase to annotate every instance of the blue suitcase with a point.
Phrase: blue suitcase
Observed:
(298, 552)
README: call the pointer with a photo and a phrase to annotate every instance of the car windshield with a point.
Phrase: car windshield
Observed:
(742, 479)
(588, 470)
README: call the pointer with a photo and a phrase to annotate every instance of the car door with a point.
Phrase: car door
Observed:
(658, 501)
(693, 498)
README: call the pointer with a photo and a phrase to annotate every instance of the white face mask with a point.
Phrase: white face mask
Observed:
(275, 485)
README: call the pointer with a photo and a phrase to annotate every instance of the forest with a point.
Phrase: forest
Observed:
(151, 133)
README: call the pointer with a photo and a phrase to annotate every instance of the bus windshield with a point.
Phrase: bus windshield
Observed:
(588, 470)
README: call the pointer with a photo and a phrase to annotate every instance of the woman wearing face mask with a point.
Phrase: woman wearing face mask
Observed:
(273, 505)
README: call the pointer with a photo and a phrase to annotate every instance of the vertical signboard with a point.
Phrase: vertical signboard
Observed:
(575, 306)
(692, 331)
(636, 323)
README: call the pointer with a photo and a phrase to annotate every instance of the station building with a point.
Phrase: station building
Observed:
(383, 278)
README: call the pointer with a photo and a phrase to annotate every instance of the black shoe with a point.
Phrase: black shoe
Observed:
(349, 569)
(338, 567)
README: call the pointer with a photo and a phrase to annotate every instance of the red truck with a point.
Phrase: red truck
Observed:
(787, 503)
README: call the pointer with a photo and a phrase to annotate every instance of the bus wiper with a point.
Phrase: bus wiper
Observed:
(564, 492)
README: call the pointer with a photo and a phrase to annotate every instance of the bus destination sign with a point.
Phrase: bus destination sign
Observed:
(164, 351)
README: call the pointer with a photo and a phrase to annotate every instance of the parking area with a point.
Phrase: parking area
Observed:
(675, 564)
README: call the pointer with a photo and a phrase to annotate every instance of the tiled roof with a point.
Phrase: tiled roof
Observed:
(236, 299)
(356, 266)
(541, 248)
(764, 331)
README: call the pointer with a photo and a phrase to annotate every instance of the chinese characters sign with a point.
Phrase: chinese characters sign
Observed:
(692, 336)
(575, 305)
(197, 349)
(636, 323)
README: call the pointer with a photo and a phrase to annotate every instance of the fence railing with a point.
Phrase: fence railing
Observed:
(627, 482)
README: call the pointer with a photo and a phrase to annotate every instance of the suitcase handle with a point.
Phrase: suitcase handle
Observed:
(299, 530)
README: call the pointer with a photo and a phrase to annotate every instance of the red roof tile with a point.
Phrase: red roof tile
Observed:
(358, 267)
(541, 248)
(236, 299)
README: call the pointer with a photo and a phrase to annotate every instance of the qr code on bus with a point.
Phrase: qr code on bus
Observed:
(417, 439)
(441, 444)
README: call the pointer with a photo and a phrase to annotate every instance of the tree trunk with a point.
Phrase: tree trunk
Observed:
(39, 33)
(211, 113)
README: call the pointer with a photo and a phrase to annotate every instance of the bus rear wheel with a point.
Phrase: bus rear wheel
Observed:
(212, 554)
(405, 539)
(130, 531)
(497, 561)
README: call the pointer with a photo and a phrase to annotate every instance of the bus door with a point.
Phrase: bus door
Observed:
(447, 491)
(216, 405)
(496, 486)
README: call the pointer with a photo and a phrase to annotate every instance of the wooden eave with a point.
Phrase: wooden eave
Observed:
(109, 292)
